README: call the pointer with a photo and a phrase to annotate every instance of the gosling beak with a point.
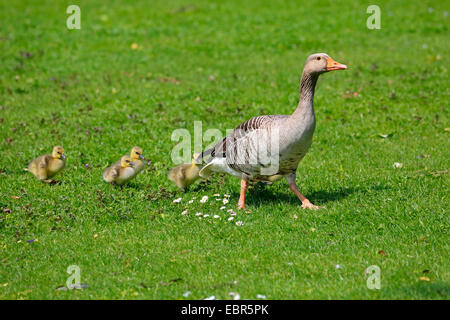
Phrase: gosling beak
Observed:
(141, 156)
(131, 163)
(333, 65)
(63, 156)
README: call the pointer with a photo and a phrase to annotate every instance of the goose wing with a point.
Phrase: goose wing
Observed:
(243, 144)
(245, 128)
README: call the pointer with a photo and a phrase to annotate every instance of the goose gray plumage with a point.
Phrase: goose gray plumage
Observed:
(270, 147)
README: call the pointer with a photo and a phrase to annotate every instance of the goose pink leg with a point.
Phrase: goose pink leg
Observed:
(244, 186)
(306, 204)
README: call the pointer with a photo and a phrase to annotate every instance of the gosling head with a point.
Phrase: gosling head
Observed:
(58, 153)
(136, 154)
(126, 162)
(321, 62)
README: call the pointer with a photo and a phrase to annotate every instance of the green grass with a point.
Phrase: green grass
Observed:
(90, 92)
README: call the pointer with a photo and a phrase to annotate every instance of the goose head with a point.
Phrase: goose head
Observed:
(58, 153)
(125, 162)
(321, 62)
(136, 154)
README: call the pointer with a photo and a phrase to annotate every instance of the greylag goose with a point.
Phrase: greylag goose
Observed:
(269, 147)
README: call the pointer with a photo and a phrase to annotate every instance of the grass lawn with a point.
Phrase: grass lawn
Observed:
(137, 70)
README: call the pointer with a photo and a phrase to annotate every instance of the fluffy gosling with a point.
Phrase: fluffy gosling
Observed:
(120, 173)
(137, 157)
(47, 165)
(185, 174)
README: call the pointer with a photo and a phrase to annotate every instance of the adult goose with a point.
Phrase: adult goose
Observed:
(270, 147)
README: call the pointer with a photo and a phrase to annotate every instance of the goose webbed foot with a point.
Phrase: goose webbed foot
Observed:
(308, 205)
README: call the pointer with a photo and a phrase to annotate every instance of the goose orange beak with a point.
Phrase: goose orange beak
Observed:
(334, 65)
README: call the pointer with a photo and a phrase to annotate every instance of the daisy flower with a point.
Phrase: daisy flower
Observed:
(187, 294)
(204, 199)
(198, 214)
(223, 208)
(177, 200)
(190, 201)
(184, 212)
(398, 165)
(216, 216)
(230, 218)
(225, 201)
(235, 295)
(239, 223)
(205, 215)
(216, 195)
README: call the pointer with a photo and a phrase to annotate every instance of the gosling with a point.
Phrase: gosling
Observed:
(185, 174)
(137, 157)
(120, 173)
(48, 165)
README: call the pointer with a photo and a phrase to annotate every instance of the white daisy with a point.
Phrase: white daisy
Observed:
(239, 223)
(230, 218)
(260, 296)
(204, 199)
(235, 295)
(225, 201)
(177, 200)
(205, 215)
(198, 214)
(216, 195)
(187, 294)
(190, 201)
(184, 212)
(397, 165)
(226, 195)
(223, 208)
(216, 216)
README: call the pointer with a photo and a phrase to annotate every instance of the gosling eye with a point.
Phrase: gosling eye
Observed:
(318, 58)
(127, 160)
(137, 152)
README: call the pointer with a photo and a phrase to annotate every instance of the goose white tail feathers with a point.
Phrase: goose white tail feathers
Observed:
(218, 165)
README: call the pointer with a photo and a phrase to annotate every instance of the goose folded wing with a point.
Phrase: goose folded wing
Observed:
(255, 123)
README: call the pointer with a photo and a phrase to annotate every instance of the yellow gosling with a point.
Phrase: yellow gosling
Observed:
(185, 174)
(48, 165)
(120, 173)
(137, 158)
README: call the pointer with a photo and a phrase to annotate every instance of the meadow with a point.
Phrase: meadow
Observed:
(138, 70)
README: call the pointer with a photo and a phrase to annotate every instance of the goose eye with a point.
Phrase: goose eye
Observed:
(127, 160)
(318, 58)
(137, 152)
